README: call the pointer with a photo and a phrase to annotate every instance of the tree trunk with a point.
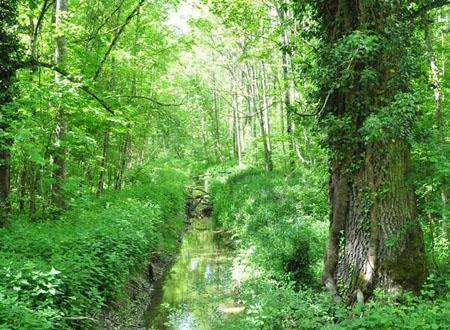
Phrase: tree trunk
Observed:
(105, 162)
(266, 108)
(5, 168)
(59, 154)
(204, 133)
(288, 87)
(438, 96)
(36, 174)
(237, 128)
(123, 162)
(217, 151)
(107, 133)
(9, 46)
(259, 111)
(375, 239)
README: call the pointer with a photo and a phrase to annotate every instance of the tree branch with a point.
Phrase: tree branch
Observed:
(117, 36)
(35, 32)
(150, 99)
(70, 77)
(45, 6)
(426, 8)
(106, 20)
(304, 114)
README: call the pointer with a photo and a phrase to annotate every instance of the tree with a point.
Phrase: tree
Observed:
(60, 154)
(438, 96)
(283, 15)
(9, 45)
(375, 239)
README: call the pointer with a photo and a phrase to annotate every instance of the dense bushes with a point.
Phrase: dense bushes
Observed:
(283, 221)
(280, 225)
(56, 271)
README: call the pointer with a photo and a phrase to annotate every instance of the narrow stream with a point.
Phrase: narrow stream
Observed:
(195, 291)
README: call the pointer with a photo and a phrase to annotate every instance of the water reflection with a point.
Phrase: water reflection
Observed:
(195, 290)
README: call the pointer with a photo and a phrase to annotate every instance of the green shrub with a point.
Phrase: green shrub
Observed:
(280, 218)
(80, 263)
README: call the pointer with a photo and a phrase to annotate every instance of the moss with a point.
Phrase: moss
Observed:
(409, 269)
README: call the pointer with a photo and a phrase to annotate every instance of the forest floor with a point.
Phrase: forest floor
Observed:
(254, 263)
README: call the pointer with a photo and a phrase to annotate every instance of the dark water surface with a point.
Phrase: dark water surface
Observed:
(196, 291)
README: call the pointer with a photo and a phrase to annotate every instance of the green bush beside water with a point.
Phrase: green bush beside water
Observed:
(283, 223)
(75, 266)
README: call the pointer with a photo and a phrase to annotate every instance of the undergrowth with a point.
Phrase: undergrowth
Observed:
(61, 274)
(280, 224)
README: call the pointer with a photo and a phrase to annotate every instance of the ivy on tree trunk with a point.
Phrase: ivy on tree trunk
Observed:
(375, 239)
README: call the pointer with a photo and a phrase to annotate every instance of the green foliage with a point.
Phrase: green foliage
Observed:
(392, 312)
(197, 96)
(279, 225)
(281, 219)
(82, 262)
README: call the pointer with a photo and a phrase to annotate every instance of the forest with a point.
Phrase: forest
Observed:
(224, 164)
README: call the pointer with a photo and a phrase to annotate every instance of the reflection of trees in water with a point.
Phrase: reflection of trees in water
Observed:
(197, 281)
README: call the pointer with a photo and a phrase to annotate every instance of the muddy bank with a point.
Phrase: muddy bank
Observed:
(146, 282)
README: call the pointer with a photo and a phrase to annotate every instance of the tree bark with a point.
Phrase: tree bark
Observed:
(60, 152)
(375, 239)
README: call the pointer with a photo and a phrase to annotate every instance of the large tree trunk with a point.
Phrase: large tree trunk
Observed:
(59, 154)
(375, 239)
(8, 49)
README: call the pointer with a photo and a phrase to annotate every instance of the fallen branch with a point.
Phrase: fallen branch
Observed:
(203, 191)
(210, 174)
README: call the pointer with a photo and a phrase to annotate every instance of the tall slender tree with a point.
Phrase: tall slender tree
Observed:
(9, 46)
(60, 152)
(283, 13)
